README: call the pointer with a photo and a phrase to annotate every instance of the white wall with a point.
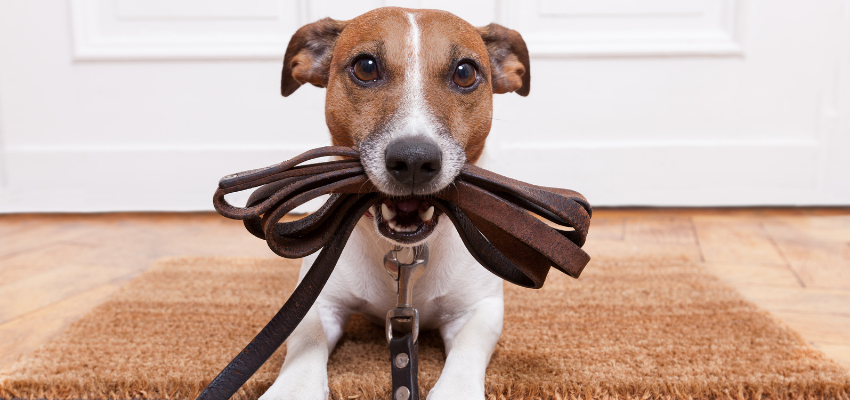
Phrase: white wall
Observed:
(144, 104)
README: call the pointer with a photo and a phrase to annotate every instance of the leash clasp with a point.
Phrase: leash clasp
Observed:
(405, 318)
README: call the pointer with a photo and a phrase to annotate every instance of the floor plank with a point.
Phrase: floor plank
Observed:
(744, 275)
(49, 287)
(803, 300)
(25, 334)
(663, 230)
(819, 264)
(607, 229)
(838, 352)
(40, 235)
(817, 326)
(599, 249)
(831, 229)
(735, 240)
(34, 261)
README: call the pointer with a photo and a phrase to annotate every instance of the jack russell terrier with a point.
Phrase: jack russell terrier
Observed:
(412, 90)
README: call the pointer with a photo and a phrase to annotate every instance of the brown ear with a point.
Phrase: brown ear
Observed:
(508, 59)
(308, 55)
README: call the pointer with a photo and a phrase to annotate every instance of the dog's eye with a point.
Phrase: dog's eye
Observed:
(366, 69)
(465, 75)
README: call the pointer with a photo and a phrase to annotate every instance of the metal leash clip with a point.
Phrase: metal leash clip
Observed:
(405, 318)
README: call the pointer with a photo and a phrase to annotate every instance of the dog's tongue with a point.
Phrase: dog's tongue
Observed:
(409, 205)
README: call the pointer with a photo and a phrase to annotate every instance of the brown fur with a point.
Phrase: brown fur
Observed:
(354, 112)
(308, 55)
(509, 55)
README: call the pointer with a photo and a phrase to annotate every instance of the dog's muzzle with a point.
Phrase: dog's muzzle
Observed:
(411, 165)
(413, 162)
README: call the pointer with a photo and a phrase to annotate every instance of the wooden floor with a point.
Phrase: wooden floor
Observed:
(794, 263)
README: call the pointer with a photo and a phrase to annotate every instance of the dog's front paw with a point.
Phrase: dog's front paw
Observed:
(290, 387)
(456, 390)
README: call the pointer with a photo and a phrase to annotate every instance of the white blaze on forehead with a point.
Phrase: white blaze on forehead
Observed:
(414, 69)
(415, 119)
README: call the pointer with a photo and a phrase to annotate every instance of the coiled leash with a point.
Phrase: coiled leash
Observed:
(496, 217)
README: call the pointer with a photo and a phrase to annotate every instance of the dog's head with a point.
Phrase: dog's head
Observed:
(412, 90)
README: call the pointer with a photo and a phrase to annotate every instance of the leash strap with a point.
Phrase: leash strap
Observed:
(261, 348)
(494, 215)
(405, 367)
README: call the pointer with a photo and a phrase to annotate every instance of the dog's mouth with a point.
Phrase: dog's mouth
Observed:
(408, 220)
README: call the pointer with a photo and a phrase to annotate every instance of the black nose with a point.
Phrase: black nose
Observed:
(413, 161)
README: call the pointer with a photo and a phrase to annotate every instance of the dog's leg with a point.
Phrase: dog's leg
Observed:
(304, 375)
(470, 341)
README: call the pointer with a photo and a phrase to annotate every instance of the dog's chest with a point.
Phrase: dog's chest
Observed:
(450, 286)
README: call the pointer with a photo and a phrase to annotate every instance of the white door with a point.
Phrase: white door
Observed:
(144, 104)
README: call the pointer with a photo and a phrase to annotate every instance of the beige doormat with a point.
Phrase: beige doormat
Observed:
(636, 329)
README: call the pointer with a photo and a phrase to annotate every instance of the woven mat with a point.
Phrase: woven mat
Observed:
(626, 329)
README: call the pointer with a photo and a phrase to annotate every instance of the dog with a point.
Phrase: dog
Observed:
(412, 90)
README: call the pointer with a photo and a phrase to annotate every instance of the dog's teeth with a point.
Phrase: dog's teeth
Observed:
(427, 215)
(387, 213)
(391, 224)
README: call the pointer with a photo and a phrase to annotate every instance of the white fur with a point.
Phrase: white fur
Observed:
(455, 294)
(415, 114)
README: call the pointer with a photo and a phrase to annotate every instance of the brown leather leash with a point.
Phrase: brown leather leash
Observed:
(492, 213)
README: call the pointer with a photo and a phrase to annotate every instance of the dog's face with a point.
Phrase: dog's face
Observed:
(412, 90)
